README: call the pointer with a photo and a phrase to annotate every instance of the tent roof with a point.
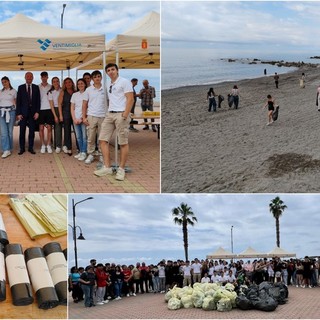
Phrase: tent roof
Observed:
(29, 45)
(251, 253)
(279, 252)
(221, 253)
(137, 48)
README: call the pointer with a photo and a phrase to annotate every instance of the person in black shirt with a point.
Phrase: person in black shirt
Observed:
(88, 282)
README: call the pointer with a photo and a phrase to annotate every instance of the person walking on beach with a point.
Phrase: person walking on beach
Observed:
(212, 101)
(276, 80)
(235, 95)
(303, 81)
(270, 103)
(318, 98)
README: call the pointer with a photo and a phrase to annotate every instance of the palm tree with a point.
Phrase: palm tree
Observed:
(277, 207)
(183, 216)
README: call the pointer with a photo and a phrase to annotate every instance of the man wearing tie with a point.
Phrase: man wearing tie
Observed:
(28, 107)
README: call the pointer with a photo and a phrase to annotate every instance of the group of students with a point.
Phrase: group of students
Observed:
(81, 105)
(97, 284)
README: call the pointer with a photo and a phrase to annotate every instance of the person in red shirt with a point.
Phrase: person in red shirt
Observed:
(102, 279)
(127, 281)
(144, 272)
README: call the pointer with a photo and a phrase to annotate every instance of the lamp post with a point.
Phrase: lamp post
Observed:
(62, 14)
(232, 239)
(74, 227)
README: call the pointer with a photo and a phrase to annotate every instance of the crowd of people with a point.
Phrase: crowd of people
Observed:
(97, 284)
(54, 110)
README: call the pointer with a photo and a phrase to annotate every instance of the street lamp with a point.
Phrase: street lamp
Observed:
(232, 239)
(62, 13)
(74, 227)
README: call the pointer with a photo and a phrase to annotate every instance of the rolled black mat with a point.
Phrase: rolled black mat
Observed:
(58, 269)
(40, 278)
(3, 234)
(2, 274)
(19, 281)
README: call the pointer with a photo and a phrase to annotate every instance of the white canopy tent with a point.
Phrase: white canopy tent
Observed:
(29, 45)
(221, 253)
(279, 252)
(251, 253)
(136, 48)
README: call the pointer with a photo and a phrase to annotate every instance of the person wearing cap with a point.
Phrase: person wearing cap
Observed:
(88, 282)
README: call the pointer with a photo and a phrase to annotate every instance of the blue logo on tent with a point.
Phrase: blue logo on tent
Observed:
(44, 44)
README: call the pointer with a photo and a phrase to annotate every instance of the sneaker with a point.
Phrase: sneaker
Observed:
(65, 149)
(133, 129)
(43, 149)
(103, 171)
(6, 154)
(117, 298)
(96, 153)
(58, 150)
(310, 287)
(146, 128)
(77, 156)
(120, 174)
(83, 156)
(154, 129)
(105, 301)
(128, 295)
(109, 297)
(297, 286)
(49, 149)
(100, 303)
(134, 294)
(89, 159)
(303, 286)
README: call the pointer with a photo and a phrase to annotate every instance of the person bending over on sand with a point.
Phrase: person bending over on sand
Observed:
(235, 95)
(270, 103)
(212, 100)
(303, 80)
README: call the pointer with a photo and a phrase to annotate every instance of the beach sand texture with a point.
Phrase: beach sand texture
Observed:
(234, 150)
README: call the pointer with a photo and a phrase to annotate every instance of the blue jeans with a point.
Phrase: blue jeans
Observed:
(88, 294)
(118, 288)
(212, 104)
(6, 130)
(81, 134)
(156, 284)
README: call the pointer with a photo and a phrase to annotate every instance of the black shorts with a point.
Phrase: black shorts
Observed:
(270, 108)
(46, 117)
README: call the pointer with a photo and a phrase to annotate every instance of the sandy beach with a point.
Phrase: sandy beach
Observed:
(234, 150)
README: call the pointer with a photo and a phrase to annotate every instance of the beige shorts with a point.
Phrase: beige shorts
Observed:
(115, 122)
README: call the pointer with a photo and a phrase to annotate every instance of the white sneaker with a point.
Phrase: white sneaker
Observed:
(103, 171)
(105, 301)
(128, 295)
(58, 150)
(117, 298)
(77, 156)
(120, 174)
(310, 287)
(43, 149)
(6, 154)
(134, 294)
(89, 159)
(65, 149)
(297, 286)
(83, 156)
(100, 303)
(49, 149)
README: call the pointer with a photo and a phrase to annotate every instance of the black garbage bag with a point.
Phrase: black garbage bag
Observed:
(268, 304)
(265, 285)
(243, 303)
(279, 292)
(230, 100)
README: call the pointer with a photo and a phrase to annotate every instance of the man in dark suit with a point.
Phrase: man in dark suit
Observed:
(27, 111)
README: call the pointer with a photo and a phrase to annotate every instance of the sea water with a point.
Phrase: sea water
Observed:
(200, 66)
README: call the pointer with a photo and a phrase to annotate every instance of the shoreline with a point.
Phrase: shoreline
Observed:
(226, 82)
(233, 150)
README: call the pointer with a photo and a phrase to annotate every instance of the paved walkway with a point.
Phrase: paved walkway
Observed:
(302, 304)
(61, 173)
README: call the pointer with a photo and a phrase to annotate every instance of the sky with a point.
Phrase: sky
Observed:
(242, 25)
(106, 17)
(126, 229)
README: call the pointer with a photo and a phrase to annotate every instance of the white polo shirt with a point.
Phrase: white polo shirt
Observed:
(186, 270)
(7, 97)
(53, 96)
(196, 267)
(96, 101)
(45, 105)
(116, 94)
(77, 99)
